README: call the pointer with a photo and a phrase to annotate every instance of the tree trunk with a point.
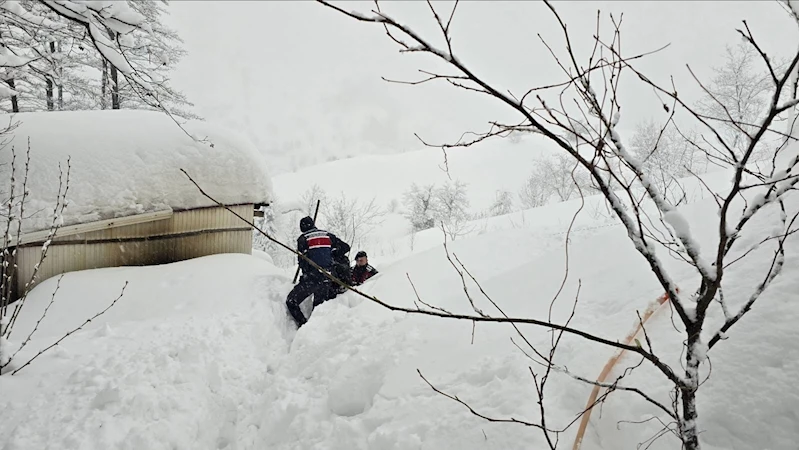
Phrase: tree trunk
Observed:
(14, 101)
(688, 433)
(60, 83)
(14, 108)
(688, 424)
(104, 86)
(49, 86)
(114, 76)
(114, 88)
(49, 92)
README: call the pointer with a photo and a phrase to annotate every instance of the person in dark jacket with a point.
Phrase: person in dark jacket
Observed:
(341, 269)
(362, 270)
(318, 246)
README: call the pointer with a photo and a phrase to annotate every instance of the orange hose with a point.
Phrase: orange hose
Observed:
(578, 439)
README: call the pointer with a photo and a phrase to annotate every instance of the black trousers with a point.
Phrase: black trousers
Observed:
(319, 288)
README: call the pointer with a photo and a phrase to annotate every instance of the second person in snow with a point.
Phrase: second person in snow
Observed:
(362, 270)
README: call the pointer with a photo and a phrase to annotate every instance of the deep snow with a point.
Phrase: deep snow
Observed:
(200, 354)
(127, 162)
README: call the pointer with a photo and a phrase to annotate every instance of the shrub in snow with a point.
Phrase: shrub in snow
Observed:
(5, 347)
(268, 223)
(555, 178)
(667, 156)
(740, 88)
(351, 219)
(309, 198)
(393, 205)
(445, 206)
(503, 204)
(420, 206)
(451, 208)
(16, 196)
(282, 223)
(515, 137)
(534, 192)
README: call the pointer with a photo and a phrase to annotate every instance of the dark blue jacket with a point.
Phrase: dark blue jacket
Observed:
(319, 246)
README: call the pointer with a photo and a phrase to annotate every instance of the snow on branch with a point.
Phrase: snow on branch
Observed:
(47, 45)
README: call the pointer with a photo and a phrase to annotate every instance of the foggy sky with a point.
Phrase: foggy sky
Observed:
(303, 81)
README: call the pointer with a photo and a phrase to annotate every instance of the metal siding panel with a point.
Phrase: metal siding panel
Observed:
(79, 255)
(217, 244)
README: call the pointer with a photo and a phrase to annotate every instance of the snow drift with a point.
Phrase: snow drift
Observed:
(128, 162)
(201, 353)
(187, 360)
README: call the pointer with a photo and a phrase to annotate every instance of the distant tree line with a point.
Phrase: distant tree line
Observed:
(70, 55)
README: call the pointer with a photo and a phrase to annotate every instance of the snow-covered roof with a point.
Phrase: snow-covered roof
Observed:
(127, 162)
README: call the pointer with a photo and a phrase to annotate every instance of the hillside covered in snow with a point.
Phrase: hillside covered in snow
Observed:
(494, 175)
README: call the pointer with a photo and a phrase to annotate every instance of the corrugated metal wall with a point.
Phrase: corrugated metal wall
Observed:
(185, 235)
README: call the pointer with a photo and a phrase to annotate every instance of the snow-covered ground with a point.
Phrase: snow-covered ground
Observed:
(201, 354)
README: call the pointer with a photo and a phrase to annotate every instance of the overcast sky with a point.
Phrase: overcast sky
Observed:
(303, 82)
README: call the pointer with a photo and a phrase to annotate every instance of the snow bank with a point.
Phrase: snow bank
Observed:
(187, 361)
(128, 162)
(177, 363)
(354, 364)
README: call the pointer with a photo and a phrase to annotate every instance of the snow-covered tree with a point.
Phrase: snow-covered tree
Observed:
(351, 219)
(393, 205)
(268, 223)
(667, 155)
(554, 178)
(534, 192)
(556, 174)
(736, 97)
(310, 197)
(165, 45)
(420, 206)
(87, 55)
(503, 203)
(451, 208)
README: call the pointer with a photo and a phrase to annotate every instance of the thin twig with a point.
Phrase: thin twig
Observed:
(41, 352)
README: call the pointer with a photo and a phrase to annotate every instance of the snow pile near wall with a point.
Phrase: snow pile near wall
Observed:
(176, 363)
(128, 162)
